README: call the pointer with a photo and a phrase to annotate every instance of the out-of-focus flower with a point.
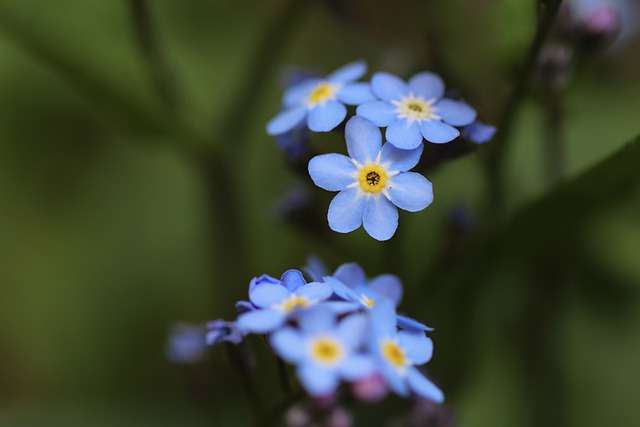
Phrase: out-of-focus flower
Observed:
(185, 343)
(220, 331)
(415, 110)
(371, 389)
(317, 416)
(294, 202)
(324, 350)
(478, 132)
(372, 183)
(322, 101)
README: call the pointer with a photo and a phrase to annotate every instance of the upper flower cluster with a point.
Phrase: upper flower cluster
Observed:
(339, 327)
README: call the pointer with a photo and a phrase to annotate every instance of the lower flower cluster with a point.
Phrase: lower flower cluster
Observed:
(337, 328)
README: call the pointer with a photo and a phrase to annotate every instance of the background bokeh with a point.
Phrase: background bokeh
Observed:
(111, 230)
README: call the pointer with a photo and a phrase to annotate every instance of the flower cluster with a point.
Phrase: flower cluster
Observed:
(373, 181)
(337, 328)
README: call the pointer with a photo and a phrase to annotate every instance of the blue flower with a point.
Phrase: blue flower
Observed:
(220, 331)
(322, 101)
(325, 352)
(478, 132)
(415, 110)
(399, 352)
(372, 183)
(275, 302)
(186, 343)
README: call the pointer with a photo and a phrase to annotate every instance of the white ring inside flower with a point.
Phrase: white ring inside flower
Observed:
(415, 108)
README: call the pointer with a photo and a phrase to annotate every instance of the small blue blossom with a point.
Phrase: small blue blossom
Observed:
(220, 331)
(294, 143)
(372, 183)
(186, 343)
(399, 352)
(414, 110)
(322, 101)
(275, 302)
(324, 350)
(479, 132)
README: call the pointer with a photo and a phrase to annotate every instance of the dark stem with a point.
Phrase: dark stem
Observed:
(554, 152)
(498, 149)
(239, 359)
(146, 37)
(283, 376)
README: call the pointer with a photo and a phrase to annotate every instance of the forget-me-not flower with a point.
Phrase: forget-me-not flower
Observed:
(322, 101)
(479, 132)
(399, 352)
(415, 110)
(275, 302)
(186, 343)
(372, 183)
(325, 351)
(220, 331)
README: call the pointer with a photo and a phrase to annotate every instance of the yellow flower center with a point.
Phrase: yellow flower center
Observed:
(365, 300)
(372, 179)
(394, 354)
(322, 93)
(326, 351)
(294, 302)
(415, 108)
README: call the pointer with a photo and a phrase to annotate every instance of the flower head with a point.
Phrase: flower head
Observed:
(322, 101)
(185, 343)
(414, 110)
(324, 350)
(372, 183)
(479, 132)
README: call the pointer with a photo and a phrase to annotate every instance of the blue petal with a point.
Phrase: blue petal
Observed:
(388, 87)
(315, 291)
(421, 386)
(316, 319)
(479, 132)
(410, 191)
(341, 290)
(289, 344)
(400, 160)
(438, 132)
(352, 330)
(348, 73)
(388, 285)
(364, 139)
(357, 367)
(379, 112)
(351, 274)
(317, 381)
(260, 321)
(332, 172)
(380, 218)
(326, 116)
(395, 381)
(286, 120)
(416, 345)
(411, 324)
(341, 307)
(428, 85)
(315, 269)
(297, 94)
(244, 306)
(262, 280)
(345, 211)
(456, 113)
(356, 94)
(293, 279)
(383, 320)
(404, 135)
(268, 295)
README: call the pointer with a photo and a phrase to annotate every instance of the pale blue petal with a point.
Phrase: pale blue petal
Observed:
(438, 132)
(388, 285)
(351, 274)
(298, 93)
(421, 386)
(411, 324)
(364, 139)
(395, 382)
(341, 307)
(357, 367)
(318, 381)
(260, 321)
(410, 191)
(244, 306)
(286, 120)
(428, 85)
(388, 87)
(456, 113)
(380, 218)
(315, 268)
(341, 290)
(332, 172)
(326, 116)
(404, 135)
(356, 94)
(261, 280)
(289, 344)
(352, 330)
(315, 291)
(293, 279)
(383, 321)
(381, 113)
(268, 295)
(400, 160)
(316, 319)
(345, 211)
(418, 348)
(479, 132)
(348, 73)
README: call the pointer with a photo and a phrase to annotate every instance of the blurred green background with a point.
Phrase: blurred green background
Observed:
(110, 231)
